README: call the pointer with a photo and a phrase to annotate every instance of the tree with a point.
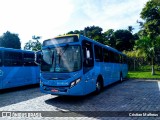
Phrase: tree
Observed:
(151, 26)
(93, 32)
(76, 32)
(10, 40)
(151, 14)
(135, 36)
(34, 44)
(120, 39)
(124, 40)
(28, 45)
(136, 58)
(145, 46)
(109, 35)
(130, 29)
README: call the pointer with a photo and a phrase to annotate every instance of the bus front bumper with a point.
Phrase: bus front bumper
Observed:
(76, 90)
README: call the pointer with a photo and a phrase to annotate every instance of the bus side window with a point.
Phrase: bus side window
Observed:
(28, 59)
(88, 60)
(117, 58)
(12, 58)
(106, 55)
(111, 56)
(98, 53)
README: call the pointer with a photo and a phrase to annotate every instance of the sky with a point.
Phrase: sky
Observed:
(50, 18)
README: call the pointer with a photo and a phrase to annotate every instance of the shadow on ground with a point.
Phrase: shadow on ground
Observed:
(19, 94)
(130, 95)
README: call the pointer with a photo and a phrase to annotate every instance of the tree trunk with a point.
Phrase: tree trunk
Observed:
(134, 64)
(153, 71)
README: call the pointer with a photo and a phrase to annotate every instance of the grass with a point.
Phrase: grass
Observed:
(143, 75)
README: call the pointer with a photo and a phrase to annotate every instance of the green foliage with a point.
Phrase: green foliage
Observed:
(93, 32)
(150, 32)
(28, 45)
(109, 35)
(144, 45)
(76, 32)
(124, 40)
(151, 14)
(135, 36)
(143, 75)
(120, 39)
(10, 40)
(130, 29)
(136, 59)
(135, 54)
(34, 44)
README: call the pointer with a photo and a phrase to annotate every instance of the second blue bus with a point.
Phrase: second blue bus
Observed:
(17, 68)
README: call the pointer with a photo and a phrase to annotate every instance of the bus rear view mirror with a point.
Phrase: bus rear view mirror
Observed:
(88, 54)
(38, 57)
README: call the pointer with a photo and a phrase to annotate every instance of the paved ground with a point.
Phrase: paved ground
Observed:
(127, 98)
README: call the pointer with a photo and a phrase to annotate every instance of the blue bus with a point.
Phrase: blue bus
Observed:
(17, 68)
(75, 65)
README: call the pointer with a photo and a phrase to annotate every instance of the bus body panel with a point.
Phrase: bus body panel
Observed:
(77, 90)
(62, 87)
(124, 70)
(18, 76)
(13, 76)
(90, 80)
(116, 72)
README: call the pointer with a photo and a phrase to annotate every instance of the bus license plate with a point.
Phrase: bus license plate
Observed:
(54, 90)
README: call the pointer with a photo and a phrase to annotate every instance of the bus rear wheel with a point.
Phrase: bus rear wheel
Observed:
(99, 86)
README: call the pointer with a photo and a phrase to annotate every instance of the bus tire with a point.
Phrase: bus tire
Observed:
(99, 85)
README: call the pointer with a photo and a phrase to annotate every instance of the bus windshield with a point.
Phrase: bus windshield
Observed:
(61, 59)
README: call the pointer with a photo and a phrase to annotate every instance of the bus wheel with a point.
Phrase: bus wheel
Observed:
(99, 86)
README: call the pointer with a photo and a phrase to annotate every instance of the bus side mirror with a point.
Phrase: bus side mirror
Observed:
(88, 54)
(38, 58)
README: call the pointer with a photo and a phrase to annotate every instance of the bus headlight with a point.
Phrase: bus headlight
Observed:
(75, 82)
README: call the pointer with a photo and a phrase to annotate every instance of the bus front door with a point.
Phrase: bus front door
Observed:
(88, 65)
